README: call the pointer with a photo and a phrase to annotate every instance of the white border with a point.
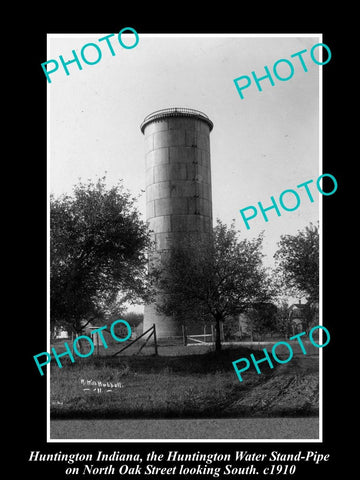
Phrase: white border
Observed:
(191, 440)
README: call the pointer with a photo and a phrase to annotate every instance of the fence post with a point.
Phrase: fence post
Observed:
(212, 334)
(184, 335)
(155, 340)
(222, 331)
(97, 344)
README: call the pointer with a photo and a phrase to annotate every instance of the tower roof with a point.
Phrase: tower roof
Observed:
(175, 112)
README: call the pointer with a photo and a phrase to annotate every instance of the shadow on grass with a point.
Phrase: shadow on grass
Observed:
(202, 363)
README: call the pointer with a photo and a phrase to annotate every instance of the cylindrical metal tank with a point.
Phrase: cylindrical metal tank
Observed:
(178, 187)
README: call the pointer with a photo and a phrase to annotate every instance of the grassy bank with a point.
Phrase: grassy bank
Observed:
(190, 385)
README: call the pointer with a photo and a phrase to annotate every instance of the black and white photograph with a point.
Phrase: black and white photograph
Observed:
(185, 200)
(189, 296)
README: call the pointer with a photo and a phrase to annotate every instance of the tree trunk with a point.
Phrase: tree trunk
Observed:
(217, 334)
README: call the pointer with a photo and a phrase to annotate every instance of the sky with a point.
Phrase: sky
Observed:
(260, 146)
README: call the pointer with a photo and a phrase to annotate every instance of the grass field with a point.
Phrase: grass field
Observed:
(184, 382)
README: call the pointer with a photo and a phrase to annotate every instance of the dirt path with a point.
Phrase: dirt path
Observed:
(293, 389)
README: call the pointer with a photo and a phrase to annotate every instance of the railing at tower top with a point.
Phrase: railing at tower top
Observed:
(175, 111)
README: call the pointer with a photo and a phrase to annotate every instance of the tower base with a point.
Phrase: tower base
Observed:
(165, 326)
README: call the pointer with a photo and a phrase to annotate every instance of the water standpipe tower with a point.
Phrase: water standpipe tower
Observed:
(178, 188)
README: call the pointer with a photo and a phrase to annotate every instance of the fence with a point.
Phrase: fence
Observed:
(202, 338)
(152, 333)
(168, 345)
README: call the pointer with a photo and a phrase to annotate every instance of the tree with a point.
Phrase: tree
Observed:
(283, 321)
(214, 278)
(97, 253)
(297, 260)
(262, 318)
(134, 318)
